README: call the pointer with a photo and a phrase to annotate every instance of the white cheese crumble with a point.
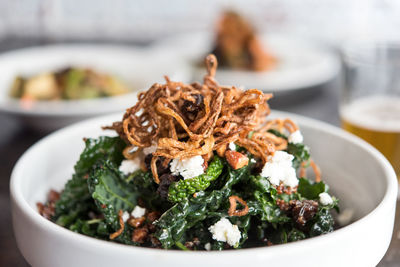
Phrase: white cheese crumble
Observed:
(207, 246)
(129, 165)
(232, 146)
(125, 216)
(225, 231)
(325, 199)
(279, 168)
(296, 137)
(138, 212)
(149, 149)
(187, 168)
(345, 217)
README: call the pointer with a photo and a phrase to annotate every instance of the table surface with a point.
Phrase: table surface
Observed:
(318, 102)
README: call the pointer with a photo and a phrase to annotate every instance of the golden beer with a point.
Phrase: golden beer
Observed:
(377, 121)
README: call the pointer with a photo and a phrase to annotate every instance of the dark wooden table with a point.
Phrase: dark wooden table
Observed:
(320, 103)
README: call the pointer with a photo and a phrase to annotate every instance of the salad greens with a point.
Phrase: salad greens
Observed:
(93, 198)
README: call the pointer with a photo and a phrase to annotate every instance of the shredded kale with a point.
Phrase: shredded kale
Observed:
(75, 200)
(111, 194)
(182, 216)
(300, 152)
(97, 191)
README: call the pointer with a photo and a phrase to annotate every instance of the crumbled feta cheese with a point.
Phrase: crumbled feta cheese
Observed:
(129, 165)
(296, 137)
(125, 216)
(345, 217)
(187, 168)
(279, 168)
(325, 199)
(225, 231)
(138, 212)
(232, 146)
(207, 246)
(149, 149)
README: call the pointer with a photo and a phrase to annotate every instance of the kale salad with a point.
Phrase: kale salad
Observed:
(196, 167)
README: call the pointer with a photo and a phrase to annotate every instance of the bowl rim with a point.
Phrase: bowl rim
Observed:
(16, 195)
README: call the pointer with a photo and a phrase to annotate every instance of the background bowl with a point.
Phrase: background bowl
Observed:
(137, 67)
(357, 173)
(300, 63)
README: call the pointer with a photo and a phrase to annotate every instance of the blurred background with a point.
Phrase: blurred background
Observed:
(148, 25)
(143, 21)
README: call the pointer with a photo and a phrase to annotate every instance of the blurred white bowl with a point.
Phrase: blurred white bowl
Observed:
(357, 173)
(300, 63)
(137, 67)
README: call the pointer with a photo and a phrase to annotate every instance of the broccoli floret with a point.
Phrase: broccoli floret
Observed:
(180, 190)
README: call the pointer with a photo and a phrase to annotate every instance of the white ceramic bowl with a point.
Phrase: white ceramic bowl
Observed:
(357, 173)
(136, 66)
(300, 63)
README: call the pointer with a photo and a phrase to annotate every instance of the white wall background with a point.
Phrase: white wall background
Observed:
(144, 20)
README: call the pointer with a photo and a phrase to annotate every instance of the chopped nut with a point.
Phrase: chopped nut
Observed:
(236, 159)
(136, 222)
(53, 196)
(140, 234)
(221, 151)
(152, 216)
(154, 241)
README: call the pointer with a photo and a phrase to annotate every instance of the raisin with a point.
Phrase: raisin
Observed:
(165, 181)
(161, 167)
(303, 211)
(191, 109)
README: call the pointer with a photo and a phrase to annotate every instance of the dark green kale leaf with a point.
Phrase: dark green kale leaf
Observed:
(98, 149)
(300, 152)
(94, 228)
(111, 194)
(143, 183)
(323, 223)
(264, 200)
(309, 190)
(295, 235)
(75, 201)
(181, 217)
(180, 190)
(267, 209)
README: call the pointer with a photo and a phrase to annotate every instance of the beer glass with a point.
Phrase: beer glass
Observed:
(370, 99)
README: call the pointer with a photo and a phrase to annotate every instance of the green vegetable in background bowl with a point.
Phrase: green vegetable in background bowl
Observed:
(68, 83)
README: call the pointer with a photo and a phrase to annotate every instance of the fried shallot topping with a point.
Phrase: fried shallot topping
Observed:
(315, 168)
(185, 120)
(233, 203)
(121, 224)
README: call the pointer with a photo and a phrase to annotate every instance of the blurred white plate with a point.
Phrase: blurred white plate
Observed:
(301, 63)
(135, 66)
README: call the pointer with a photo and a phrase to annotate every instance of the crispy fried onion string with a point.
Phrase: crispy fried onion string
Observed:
(315, 168)
(186, 120)
(122, 226)
(233, 203)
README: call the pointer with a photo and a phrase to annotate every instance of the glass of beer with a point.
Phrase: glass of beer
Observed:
(370, 99)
